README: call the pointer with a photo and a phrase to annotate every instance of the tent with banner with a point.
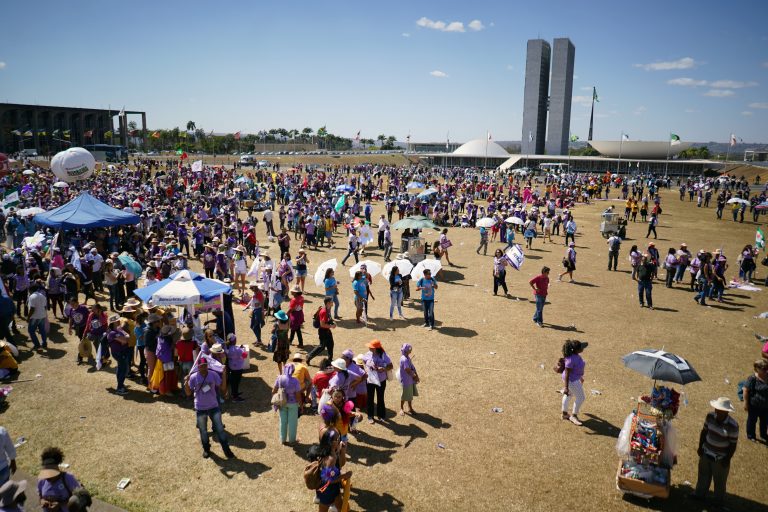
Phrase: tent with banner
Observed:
(181, 289)
(85, 211)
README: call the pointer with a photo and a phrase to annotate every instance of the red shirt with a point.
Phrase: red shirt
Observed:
(541, 282)
(184, 349)
(324, 316)
(321, 380)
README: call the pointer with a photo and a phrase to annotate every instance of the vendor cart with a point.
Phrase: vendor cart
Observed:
(613, 224)
(415, 247)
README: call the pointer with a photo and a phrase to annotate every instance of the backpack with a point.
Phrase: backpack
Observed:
(560, 366)
(615, 244)
(316, 318)
(312, 475)
(744, 384)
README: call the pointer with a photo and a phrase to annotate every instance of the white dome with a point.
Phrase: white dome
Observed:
(638, 148)
(481, 148)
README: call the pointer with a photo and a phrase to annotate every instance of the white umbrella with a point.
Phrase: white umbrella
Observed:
(366, 235)
(403, 265)
(373, 268)
(514, 220)
(324, 266)
(486, 222)
(61, 184)
(24, 212)
(418, 271)
(737, 200)
(28, 172)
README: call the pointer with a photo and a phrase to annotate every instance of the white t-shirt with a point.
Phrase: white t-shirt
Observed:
(37, 300)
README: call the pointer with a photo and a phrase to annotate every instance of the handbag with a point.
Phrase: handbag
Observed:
(279, 399)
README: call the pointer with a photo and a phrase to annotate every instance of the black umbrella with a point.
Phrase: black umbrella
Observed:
(660, 365)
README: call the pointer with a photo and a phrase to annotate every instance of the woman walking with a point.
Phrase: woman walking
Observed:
(635, 258)
(280, 341)
(756, 401)
(569, 262)
(529, 232)
(301, 269)
(331, 456)
(573, 379)
(377, 364)
(296, 314)
(396, 292)
(499, 272)
(289, 411)
(408, 379)
(445, 243)
(670, 264)
(332, 290)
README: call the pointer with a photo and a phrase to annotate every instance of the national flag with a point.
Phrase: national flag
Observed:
(184, 155)
(624, 136)
(16, 132)
(759, 239)
(674, 139)
(108, 134)
(237, 135)
(574, 138)
(89, 133)
(489, 136)
(29, 133)
(11, 198)
(122, 112)
(733, 140)
(594, 95)
(66, 134)
(340, 203)
(155, 135)
(357, 137)
(179, 151)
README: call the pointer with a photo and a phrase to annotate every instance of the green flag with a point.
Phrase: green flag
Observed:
(759, 239)
(674, 139)
(179, 151)
(594, 95)
(574, 138)
(11, 198)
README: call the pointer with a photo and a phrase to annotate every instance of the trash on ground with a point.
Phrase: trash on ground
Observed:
(497, 409)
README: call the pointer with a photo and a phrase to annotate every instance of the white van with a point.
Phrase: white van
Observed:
(247, 159)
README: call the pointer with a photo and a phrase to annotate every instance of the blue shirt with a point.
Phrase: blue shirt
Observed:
(428, 287)
(330, 285)
(361, 288)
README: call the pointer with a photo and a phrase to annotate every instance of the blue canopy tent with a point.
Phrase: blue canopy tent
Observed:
(85, 211)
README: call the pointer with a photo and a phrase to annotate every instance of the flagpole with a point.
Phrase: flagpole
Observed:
(485, 162)
(728, 152)
(621, 144)
(592, 114)
(669, 148)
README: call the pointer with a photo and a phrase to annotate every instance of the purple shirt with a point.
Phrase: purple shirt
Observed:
(204, 389)
(57, 490)
(164, 350)
(406, 363)
(235, 357)
(115, 346)
(373, 361)
(341, 380)
(291, 386)
(576, 364)
(356, 372)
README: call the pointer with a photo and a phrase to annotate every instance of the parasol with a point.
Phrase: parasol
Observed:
(418, 271)
(324, 266)
(403, 265)
(373, 268)
(661, 365)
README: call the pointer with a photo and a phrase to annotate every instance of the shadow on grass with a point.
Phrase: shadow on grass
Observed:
(678, 500)
(668, 310)
(566, 328)
(430, 420)
(457, 332)
(244, 443)
(372, 502)
(370, 456)
(231, 467)
(600, 427)
(584, 283)
(411, 431)
(365, 437)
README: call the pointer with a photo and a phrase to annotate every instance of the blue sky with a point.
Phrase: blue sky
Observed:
(425, 67)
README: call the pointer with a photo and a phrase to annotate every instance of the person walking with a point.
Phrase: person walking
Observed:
(428, 285)
(377, 364)
(614, 245)
(756, 401)
(296, 315)
(38, 317)
(573, 379)
(670, 264)
(704, 278)
(483, 242)
(353, 248)
(717, 444)
(325, 325)
(570, 230)
(203, 384)
(118, 339)
(683, 260)
(387, 244)
(499, 272)
(408, 379)
(652, 223)
(289, 411)
(445, 244)
(332, 291)
(635, 258)
(540, 286)
(395, 292)
(569, 262)
(644, 276)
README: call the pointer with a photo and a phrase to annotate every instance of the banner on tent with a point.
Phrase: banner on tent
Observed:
(209, 305)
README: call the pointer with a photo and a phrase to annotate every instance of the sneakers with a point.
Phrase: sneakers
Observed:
(575, 420)
(122, 391)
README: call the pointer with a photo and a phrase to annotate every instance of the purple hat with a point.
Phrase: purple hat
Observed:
(288, 370)
(327, 412)
(348, 354)
(405, 348)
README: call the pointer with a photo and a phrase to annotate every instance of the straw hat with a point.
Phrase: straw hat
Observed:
(10, 492)
(359, 359)
(167, 330)
(722, 404)
(113, 318)
(133, 302)
(217, 348)
(298, 356)
(296, 290)
(126, 309)
(49, 469)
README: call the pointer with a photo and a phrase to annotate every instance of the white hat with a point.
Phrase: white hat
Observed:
(722, 404)
(339, 364)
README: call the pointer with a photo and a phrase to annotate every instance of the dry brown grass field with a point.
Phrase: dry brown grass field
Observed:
(486, 353)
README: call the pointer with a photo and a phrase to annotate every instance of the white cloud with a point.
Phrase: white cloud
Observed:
(684, 63)
(586, 88)
(719, 93)
(687, 82)
(438, 74)
(2, 65)
(731, 84)
(454, 26)
(510, 67)
(746, 113)
(640, 110)
(582, 100)
(476, 25)
(758, 105)
(405, 34)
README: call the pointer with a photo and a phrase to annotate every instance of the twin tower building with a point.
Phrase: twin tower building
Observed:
(547, 93)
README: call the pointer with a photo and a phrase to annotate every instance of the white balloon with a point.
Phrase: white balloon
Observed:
(73, 164)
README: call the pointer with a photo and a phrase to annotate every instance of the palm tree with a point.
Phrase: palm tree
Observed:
(307, 133)
(381, 138)
(191, 126)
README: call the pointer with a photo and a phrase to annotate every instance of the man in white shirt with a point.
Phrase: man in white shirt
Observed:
(382, 227)
(38, 314)
(97, 261)
(352, 248)
(268, 223)
(7, 456)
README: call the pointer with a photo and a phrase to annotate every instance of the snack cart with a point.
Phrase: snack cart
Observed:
(613, 224)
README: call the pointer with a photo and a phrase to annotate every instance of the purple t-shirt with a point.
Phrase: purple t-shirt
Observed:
(291, 386)
(204, 389)
(356, 371)
(115, 346)
(373, 361)
(164, 350)
(58, 490)
(79, 315)
(235, 357)
(405, 379)
(576, 364)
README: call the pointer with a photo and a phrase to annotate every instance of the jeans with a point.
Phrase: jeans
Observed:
(234, 378)
(571, 236)
(296, 333)
(335, 305)
(753, 415)
(647, 287)
(613, 259)
(651, 229)
(395, 299)
(289, 421)
(257, 321)
(378, 393)
(703, 293)
(709, 470)
(123, 360)
(538, 316)
(387, 251)
(671, 272)
(429, 312)
(218, 427)
(500, 280)
(350, 252)
(5, 474)
(484, 246)
(37, 325)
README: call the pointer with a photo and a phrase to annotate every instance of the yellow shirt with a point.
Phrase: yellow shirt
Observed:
(7, 361)
(129, 326)
(301, 373)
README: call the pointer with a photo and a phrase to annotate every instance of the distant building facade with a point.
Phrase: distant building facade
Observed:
(535, 96)
(560, 93)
